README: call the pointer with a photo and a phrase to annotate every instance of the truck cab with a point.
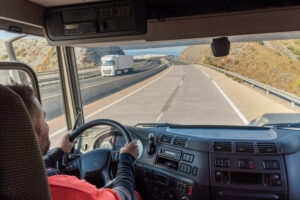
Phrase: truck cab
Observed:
(213, 101)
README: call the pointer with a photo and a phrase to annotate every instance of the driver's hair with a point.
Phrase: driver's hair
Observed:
(27, 94)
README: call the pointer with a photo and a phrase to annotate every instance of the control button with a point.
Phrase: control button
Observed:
(219, 176)
(272, 179)
(251, 164)
(194, 172)
(246, 164)
(190, 190)
(271, 164)
(189, 168)
(192, 158)
(221, 162)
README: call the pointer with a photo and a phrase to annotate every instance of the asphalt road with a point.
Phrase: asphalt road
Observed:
(184, 95)
(91, 89)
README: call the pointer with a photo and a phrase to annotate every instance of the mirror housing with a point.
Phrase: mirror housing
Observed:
(220, 46)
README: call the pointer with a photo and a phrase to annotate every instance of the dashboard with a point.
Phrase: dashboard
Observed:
(210, 162)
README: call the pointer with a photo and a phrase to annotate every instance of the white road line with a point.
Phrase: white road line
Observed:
(158, 118)
(57, 132)
(130, 94)
(181, 83)
(205, 74)
(51, 97)
(238, 112)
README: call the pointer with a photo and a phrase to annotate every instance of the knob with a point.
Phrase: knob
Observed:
(151, 149)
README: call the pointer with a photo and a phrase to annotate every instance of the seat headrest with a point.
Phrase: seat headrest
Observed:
(22, 170)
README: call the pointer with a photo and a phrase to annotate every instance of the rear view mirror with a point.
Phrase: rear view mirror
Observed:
(18, 73)
(220, 46)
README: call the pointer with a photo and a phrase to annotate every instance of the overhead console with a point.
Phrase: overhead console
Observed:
(77, 24)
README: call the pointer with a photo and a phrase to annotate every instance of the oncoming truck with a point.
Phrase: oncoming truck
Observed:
(112, 65)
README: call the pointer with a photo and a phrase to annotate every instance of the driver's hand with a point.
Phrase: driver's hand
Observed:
(131, 148)
(65, 144)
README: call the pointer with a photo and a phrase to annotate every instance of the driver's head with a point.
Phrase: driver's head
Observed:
(37, 114)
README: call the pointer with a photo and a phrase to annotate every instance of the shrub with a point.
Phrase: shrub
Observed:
(4, 57)
(298, 58)
(290, 60)
(236, 62)
(261, 43)
(252, 49)
(291, 48)
(209, 60)
(297, 51)
(277, 53)
(297, 41)
(298, 82)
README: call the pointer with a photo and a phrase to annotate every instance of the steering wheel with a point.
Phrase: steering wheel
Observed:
(97, 162)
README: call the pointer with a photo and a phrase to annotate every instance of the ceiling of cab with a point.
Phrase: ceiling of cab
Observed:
(160, 9)
(53, 3)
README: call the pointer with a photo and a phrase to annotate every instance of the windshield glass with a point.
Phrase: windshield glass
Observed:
(107, 63)
(258, 81)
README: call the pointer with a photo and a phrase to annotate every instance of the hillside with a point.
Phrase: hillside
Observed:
(274, 63)
(42, 58)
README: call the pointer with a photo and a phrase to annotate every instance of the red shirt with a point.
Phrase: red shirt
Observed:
(64, 187)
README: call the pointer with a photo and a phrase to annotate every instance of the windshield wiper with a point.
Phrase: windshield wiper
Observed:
(279, 125)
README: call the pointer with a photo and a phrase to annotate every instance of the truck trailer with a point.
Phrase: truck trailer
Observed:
(112, 65)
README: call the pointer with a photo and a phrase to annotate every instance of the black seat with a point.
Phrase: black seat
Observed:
(22, 171)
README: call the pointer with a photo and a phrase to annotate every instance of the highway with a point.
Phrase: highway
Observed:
(183, 94)
(91, 89)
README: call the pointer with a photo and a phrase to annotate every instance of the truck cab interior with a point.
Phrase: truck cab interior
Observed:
(179, 159)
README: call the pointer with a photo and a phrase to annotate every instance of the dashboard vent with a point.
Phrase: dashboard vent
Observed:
(219, 146)
(267, 147)
(166, 138)
(244, 147)
(180, 141)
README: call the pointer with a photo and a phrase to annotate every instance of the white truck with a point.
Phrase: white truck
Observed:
(112, 65)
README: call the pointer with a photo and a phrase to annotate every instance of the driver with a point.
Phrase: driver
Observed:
(70, 187)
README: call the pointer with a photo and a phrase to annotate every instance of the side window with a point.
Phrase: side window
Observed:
(35, 52)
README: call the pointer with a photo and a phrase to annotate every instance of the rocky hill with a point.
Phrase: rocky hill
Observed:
(276, 63)
(42, 58)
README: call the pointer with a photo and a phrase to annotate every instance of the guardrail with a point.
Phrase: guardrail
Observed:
(56, 80)
(293, 99)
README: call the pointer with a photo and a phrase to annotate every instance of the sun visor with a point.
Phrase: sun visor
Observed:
(102, 21)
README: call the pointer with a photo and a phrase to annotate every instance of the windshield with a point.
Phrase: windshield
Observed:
(188, 85)
(107, 63)
(257, 83)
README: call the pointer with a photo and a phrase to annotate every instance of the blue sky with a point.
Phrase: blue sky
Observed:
(165, 50)
(5, 34)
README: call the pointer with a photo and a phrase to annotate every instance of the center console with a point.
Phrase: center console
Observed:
(247, 170)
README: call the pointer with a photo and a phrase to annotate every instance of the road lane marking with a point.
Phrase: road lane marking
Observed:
(205, 74)
(181, 83)
(130, 94)
(238, 112)
(57, 132)
(158, 118)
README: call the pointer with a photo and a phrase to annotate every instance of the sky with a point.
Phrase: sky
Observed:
(165, 50)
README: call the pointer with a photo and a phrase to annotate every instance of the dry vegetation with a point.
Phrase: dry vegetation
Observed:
(276, 63)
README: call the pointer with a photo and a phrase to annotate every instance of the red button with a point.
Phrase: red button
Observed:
(190, 190)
